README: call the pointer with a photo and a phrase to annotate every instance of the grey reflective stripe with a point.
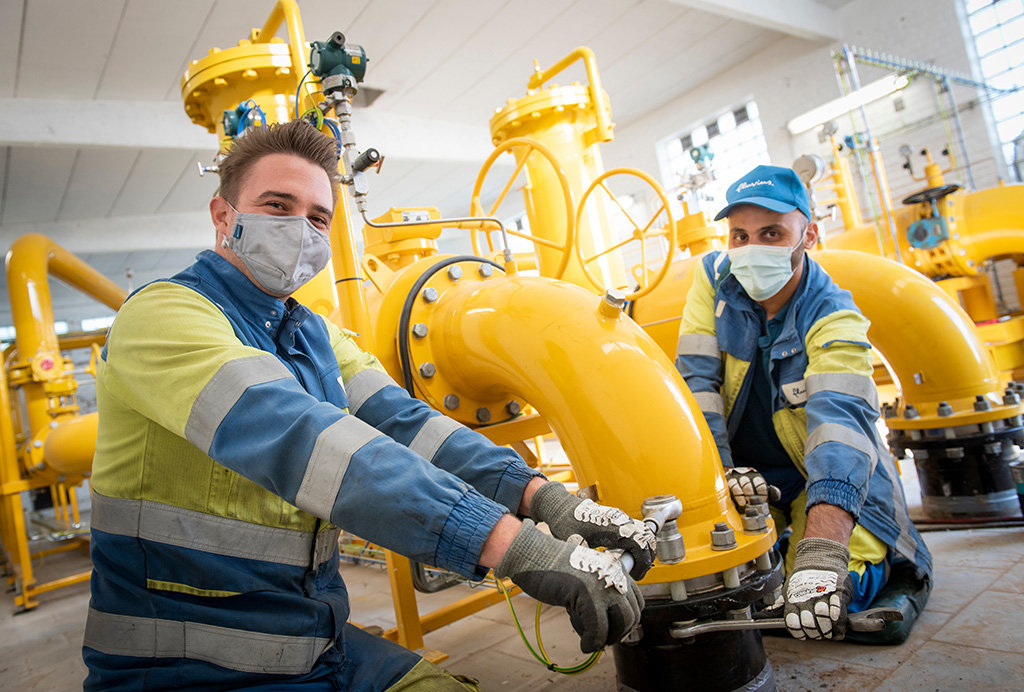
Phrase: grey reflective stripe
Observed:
(326, 544)
(251, 652)
(224, 390)
(432, 435)
(845, 383)
(365, 384)
(710, 402)
(698, 345)
(834, 432)
(905, 541)
(329, 460)
(186, 528)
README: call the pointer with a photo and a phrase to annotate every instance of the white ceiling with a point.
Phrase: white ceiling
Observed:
(96, 151)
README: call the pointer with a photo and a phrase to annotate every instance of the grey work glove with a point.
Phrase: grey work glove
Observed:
(599, 525)
(746, 484)
(603, 602)
(818, 590)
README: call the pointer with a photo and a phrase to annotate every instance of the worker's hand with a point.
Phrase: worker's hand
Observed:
(818, 590)
(603, 602)
(608, 527)
(745, 484)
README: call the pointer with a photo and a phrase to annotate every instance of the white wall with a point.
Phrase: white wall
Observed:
(793, 75)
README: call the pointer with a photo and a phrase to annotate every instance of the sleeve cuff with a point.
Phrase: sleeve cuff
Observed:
(513, 484)
(469, 524)
(838, 493)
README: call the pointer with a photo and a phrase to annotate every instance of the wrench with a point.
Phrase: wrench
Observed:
(870, 620)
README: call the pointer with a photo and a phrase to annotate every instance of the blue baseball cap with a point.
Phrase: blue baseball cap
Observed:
(772, 187)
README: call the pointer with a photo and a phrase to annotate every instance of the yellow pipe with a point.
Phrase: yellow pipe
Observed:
(634, 432)
(70, 446)
(598, 99)
(924, 335)
(992, 221)
(31, 260)
(288, 12)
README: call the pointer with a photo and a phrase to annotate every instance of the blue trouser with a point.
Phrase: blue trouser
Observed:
(369, 664)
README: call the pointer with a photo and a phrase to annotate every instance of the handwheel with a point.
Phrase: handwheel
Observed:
(931, 193)
(640, 234)
(527, 147)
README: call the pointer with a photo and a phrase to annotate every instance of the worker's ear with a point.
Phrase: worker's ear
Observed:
(222, 215)
(811, 236)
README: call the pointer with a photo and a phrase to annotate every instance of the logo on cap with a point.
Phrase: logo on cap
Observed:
(755, 183)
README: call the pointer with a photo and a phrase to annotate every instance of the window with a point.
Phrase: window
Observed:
(90, 324)
(735, 140)
(997, 27)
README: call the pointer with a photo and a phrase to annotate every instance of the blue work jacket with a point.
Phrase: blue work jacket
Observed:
(825, 405)
(237, 432)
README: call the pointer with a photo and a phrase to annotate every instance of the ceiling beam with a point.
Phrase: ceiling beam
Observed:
(183, 231)
(163, 125)
(804, 19)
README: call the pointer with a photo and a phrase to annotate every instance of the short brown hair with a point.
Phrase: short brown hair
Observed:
(296, 137)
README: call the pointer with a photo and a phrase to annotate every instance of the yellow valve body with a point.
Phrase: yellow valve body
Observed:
(261, 72)
(562, 118)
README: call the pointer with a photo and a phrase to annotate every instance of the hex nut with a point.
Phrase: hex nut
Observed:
(427, 370)
(429, 294)
(454, 272)
(485, 271)
(981, 403)
(451, 401)
(419, 330)
(513, 408)
(722, 537)
(944, 409)
(483, 414)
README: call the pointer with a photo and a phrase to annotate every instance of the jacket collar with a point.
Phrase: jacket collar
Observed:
(252, 303)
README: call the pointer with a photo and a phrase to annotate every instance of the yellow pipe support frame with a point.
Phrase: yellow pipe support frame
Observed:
(625, 418)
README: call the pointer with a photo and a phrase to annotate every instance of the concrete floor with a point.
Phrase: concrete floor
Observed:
(971, 637)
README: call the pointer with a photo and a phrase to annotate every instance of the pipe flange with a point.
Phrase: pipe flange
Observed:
(425, 339)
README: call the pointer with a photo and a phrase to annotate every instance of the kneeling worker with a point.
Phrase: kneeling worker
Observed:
(238, 430)
(778, 358)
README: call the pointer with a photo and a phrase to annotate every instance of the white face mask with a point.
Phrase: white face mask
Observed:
(763, 270)
(281, 252)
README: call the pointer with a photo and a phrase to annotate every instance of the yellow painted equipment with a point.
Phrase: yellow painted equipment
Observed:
(482, 341)
(43, 440)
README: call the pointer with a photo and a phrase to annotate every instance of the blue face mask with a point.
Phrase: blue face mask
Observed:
(281, 252)
(763, 270)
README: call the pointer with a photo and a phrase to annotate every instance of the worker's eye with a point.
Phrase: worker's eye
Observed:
(320, 222)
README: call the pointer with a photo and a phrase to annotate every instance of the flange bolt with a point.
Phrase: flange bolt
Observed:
(483, 414)
(451, 401)
(427, 369)
(419, 330)
(429, 294)
(944, 409)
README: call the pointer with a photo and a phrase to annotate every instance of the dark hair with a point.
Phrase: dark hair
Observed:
(296, 137)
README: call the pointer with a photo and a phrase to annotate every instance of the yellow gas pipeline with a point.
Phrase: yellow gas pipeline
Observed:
(625, 418)
(50, 445)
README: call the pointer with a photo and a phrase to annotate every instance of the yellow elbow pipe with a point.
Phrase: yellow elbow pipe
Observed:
(993, 220)
(624, 416)
(925, 336)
